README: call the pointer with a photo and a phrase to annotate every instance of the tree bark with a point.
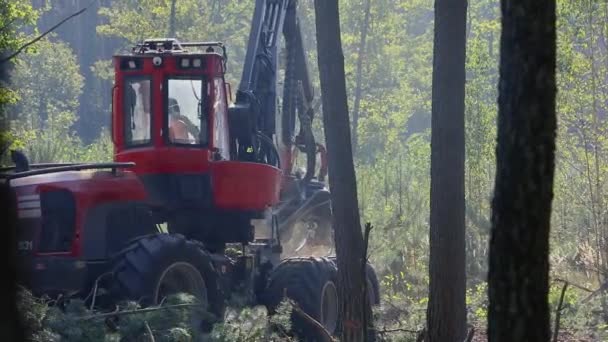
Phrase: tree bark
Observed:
(362, 45)
(172, 20)
(354, 306)
(446, 312)
(525, 153)
(13, 328)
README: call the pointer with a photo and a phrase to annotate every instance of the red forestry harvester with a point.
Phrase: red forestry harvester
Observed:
(201, 195)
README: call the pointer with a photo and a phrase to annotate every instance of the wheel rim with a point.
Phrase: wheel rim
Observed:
(181, 277)
(329, 306)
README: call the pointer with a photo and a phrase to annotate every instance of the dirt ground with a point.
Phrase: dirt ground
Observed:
(564, 336)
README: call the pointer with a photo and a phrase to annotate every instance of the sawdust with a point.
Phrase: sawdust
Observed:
(292, 246)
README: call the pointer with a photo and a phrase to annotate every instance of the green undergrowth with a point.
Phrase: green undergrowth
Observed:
(48, 320)
(403, 311)
(400, 317)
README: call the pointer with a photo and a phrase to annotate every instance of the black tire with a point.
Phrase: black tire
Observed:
(305, 280)
(143, 269)
(373, 285)
(372, 279)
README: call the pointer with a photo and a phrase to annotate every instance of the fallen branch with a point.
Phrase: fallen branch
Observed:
(389, 331)
(580, 287)
(136, 311)
(558, 311)
(33, 41)
(149, 330)
(96, 287)
(326, 335)
(596, 292)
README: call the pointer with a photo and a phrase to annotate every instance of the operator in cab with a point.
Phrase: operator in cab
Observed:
(178, 130)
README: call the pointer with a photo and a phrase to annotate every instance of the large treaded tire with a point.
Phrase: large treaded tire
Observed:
(302, 279)
(372, 279)
(138, 269)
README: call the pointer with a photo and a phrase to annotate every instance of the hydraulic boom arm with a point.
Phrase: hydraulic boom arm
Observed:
(254, 115)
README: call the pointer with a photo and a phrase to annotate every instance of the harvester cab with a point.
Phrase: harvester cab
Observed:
(170, 117)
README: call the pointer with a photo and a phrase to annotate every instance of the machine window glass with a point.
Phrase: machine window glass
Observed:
(59, 221)
(220, 127)
(186, 118)
(137, 112)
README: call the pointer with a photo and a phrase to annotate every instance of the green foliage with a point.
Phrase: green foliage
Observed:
(477, 303)
(14, 15)
(46, 320)
(247, 324)
(228, 22)
(49, 85)
(43, 119)
(579, 316)
(104, 70)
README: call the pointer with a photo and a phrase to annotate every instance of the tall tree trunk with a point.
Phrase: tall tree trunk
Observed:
(446, 312)
(521, 208)
(172, 20)
(360, 58)
(13, 328)
(348, 236)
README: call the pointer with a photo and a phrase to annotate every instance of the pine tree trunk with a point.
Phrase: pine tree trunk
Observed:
(521, 208)
(13, 328)
(446, 312)
(343, 186)
(359, 80)
(171, 32)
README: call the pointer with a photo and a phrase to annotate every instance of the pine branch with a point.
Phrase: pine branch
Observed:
(326, 335)
(388, 331)
(149, 331)
(136, 311)
(35, 40)
(596, 292)
(8, 24)
(580, 287)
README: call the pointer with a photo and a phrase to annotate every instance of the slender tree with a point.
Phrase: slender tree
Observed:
(12, 327)
(172, 20)
(358, 93)
(521, 208)
(346, 221)
(446, 312)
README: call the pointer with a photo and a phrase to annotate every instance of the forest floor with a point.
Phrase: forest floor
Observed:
(564, 336)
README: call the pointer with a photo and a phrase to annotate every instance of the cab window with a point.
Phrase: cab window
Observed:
(186, 119)
(220, 127)
(137, 128)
